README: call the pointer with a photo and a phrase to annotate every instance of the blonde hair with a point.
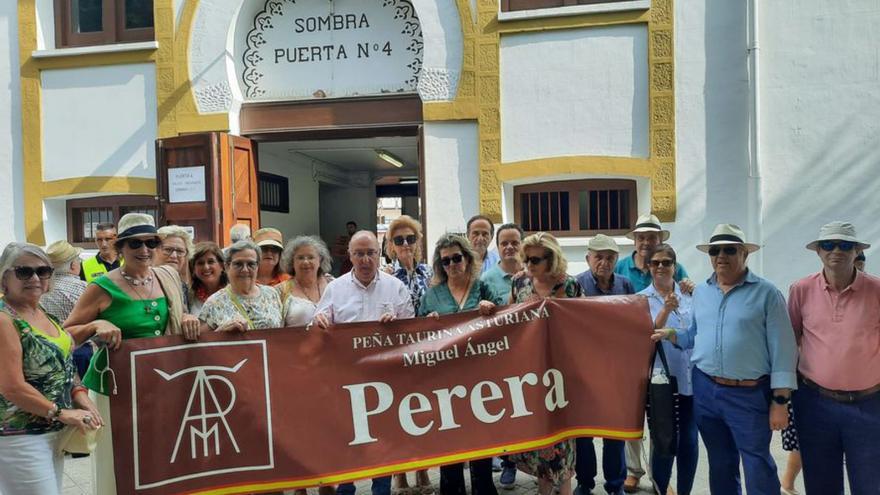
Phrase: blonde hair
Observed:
(404, 222)
(558, 266)
(178, 231)
(450, 241)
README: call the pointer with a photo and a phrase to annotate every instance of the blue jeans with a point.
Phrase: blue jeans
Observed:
(828, 432)
(735, 424)
(613, 464)
(381, 486)
(687, 453)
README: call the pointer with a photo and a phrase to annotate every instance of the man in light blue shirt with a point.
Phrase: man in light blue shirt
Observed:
(480, 231)
(508, 239)
(744, 354)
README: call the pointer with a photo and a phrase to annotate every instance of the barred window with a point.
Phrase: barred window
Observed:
(274, 194)
(102, 22)
(84, 214)
(577, 208)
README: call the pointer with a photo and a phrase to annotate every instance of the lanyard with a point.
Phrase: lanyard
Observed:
(236, 302)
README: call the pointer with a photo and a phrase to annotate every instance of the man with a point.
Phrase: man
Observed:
(836, 318)
(364, 294)
(66, 290)
(508, 241)
(342, 242)
(744, 356)
(647, 234)
(239, 232)
(600, 280)
(107, 259)
(479, 232)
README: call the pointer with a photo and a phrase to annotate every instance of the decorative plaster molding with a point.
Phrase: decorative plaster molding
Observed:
(438, 84)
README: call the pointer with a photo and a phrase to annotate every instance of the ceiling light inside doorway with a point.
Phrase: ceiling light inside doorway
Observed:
(389, 158)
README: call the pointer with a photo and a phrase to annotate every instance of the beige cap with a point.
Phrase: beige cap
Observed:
(602, 243)
(269, 237)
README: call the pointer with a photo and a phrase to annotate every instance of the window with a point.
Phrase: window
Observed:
(102, 22)
(274, 194)
(577, 208)
(514, 5)
(84, 214)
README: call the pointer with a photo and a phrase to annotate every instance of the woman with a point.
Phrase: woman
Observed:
(457, 287)
(307, 260)
(244, 304)
(208, 275)
(403, 242)
(136, 300)
(177, 244)
(271, 244)
(39, 393)
(545, 277)
(671, 308)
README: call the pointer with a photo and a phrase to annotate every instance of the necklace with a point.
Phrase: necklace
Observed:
(149, 306)
(135, 282)
(302, 289)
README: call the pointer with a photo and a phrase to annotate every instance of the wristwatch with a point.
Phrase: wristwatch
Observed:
(53, 413)
(781, 399)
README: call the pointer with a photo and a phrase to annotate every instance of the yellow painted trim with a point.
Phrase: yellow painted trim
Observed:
(543, 167)
(107, 184)
(144, 56)
(577, 21)
(30, 123)
(461, 109)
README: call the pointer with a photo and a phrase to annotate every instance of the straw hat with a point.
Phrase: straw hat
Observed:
(61, 252)
(136, 225)
(649, 223)
(602, 243)
(838, 231)
(725, 234)
(269, 237)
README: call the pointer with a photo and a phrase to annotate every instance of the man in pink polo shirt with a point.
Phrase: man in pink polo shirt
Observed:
(836, 318)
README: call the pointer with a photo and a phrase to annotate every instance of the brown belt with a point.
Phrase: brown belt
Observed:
(729, 382)
(842, 395)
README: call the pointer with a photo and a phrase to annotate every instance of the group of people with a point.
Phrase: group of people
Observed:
(740, 353)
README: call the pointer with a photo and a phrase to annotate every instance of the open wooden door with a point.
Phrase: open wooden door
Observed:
(207, 182)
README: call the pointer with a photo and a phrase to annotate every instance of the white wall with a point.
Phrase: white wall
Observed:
(303, 192)
(575, 92)
(99, 121)
(11, 188)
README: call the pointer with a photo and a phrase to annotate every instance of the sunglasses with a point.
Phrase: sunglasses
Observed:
(137, 243)
(842, 245)
(535, 260)
(398, 240)
(27, 272)
(665, 263)
(455, 258)
(728, 250)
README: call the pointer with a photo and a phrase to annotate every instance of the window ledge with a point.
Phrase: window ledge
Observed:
(582, 241)
(97, 49)
(628, 5)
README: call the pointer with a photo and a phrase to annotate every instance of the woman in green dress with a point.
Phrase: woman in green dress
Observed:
(136, 300)
(457, 287)
(546, 277)
(39, 390)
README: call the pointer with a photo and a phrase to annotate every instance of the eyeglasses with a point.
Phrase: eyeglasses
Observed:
(842, 245)
(137, 243)
(170, 251)
(241, 265)
(455, 258)
(398, 240)
(365, 254)
(536, 260)
(666, 263)
(728, 250)
(28, 272)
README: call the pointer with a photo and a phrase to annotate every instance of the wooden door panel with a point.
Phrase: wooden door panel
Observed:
(197, 150)
(238, 174)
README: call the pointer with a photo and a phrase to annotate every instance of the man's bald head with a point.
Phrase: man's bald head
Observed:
(363, 251)
(362, 236)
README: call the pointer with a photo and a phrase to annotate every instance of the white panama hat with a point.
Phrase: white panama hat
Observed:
(649, 223)
(726, 234)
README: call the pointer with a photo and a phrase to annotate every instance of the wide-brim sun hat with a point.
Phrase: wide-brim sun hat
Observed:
(136, 225)
(602, 242)
(649, 223)
(726, 234)
(838, 231)
(61, 252)
(269, 237)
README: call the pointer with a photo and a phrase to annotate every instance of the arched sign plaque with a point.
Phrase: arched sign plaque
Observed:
(301, 49)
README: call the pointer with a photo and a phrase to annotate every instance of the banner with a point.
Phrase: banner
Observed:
(290, 408)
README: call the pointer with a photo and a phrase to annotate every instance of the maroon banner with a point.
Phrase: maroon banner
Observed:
(289, 408)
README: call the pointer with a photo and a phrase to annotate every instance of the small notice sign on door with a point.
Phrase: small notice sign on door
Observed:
(186, 184)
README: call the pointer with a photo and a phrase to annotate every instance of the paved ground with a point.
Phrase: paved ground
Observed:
(77, 479)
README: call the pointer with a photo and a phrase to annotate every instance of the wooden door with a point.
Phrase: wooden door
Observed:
(207, 182)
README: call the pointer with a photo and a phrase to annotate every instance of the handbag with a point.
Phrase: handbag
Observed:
(662, 408)
(74, 441)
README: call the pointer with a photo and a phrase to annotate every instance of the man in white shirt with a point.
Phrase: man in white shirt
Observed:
(364, 294)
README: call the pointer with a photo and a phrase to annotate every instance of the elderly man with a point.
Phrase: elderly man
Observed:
(239, 232)
(600, 280)
(836, 319)
(107, 259)
(66, 290)
(364, 294)
(744, 356)
(480, 231)
(647, 234)
(860, 262)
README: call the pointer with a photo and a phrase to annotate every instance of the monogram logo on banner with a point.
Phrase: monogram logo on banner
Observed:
(212, 435)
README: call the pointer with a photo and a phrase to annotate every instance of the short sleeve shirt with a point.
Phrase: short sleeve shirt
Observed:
(260, 311)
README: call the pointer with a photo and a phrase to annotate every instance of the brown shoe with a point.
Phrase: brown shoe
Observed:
(631, 485)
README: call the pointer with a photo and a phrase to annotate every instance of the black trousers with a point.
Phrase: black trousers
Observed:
(452, 478)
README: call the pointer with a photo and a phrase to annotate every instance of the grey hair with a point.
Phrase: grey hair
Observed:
(301, 241)
(239, 232)
(14, 251)
(64, 267)
(177, 231)
(243, 245)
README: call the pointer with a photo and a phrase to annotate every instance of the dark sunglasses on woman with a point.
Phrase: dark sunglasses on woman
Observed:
(666, 263)
(535, 260)
(398, 240)
(137, 243)
(27, 272)
(455, 258)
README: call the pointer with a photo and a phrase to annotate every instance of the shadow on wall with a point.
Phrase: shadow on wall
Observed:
(9, 29)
